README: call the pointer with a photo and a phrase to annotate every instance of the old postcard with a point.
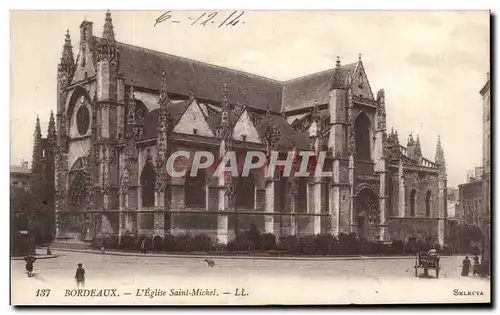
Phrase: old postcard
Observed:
(250, 157)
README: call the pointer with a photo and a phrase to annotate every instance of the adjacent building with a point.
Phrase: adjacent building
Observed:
(453, 198)
(20, 175)
(485, 214)
(470, 199)
(123, 110)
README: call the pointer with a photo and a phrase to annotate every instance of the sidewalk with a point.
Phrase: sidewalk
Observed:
(260, 257)
(40, 254)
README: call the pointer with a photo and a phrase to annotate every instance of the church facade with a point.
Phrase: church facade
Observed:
(123, 110)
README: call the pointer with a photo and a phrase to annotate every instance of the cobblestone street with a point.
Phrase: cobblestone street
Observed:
(266, 281)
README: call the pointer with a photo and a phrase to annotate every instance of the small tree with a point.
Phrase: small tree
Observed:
(30, 213)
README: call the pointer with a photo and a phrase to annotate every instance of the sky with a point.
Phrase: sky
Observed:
(432, 64)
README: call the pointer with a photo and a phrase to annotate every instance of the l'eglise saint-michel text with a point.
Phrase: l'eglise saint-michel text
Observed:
(151, 293)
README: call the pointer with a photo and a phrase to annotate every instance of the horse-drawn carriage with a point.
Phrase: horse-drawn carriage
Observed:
(427, 261)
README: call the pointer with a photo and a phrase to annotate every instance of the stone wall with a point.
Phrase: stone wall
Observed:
(420, 228)
(422, 183)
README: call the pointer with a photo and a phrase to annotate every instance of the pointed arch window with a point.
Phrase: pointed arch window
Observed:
(148, 179)
(362, 139)
(325, 193)
(428, 204)
(302, 195)
(245, 193)
(77, 186)
(412, 202)
(196, 190)
(140, 110)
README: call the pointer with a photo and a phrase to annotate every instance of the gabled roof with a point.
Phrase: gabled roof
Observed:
(304, 91)
(150, 122)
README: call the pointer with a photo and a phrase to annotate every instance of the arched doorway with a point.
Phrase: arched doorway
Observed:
(148, 180)
(362, 128)
(367, 216)
(74, 221)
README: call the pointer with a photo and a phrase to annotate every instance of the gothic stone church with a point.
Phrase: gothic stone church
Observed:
(122, 110)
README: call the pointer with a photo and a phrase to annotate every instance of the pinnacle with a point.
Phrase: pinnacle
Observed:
(67, 59)
(337, 80)
(163, 89)
(108, 32)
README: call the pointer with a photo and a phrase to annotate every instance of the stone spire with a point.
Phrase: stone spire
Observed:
(418, 150)
(393, 151)
(107, 50)
(108, 32)
(381, 114)
(37, 146)
(162, 136)
(67, 59)
(337, 75)
(66, 66)
(410, 142)
(439, 157)
(224, 119)
(226, 144)
(51, 131)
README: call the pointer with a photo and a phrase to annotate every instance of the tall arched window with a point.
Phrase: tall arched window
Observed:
(412, 202)
(77, 190)
(325, 193)
(140, 110)
(77, 185)
(245, 193)
(428, 204)
(302, 195)
(148, 179)
(362, 128)
(390, 196)
(196, 190)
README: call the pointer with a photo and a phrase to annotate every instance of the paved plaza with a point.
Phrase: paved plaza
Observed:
(265, 281)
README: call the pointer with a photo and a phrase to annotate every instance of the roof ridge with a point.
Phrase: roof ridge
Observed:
(316, 73)
(199, 62)
(281, 82)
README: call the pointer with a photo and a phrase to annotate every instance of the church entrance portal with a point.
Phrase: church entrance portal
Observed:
(367, 216)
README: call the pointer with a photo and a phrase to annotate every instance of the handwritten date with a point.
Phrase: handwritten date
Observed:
(206, 18)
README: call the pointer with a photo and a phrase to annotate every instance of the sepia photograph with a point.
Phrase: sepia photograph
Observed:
(244, 157)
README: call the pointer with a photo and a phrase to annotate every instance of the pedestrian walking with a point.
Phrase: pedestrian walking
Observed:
(103, 250)
(143, 246)
(30, 260)
(475, 269)
(465, 266)
(80, 276)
